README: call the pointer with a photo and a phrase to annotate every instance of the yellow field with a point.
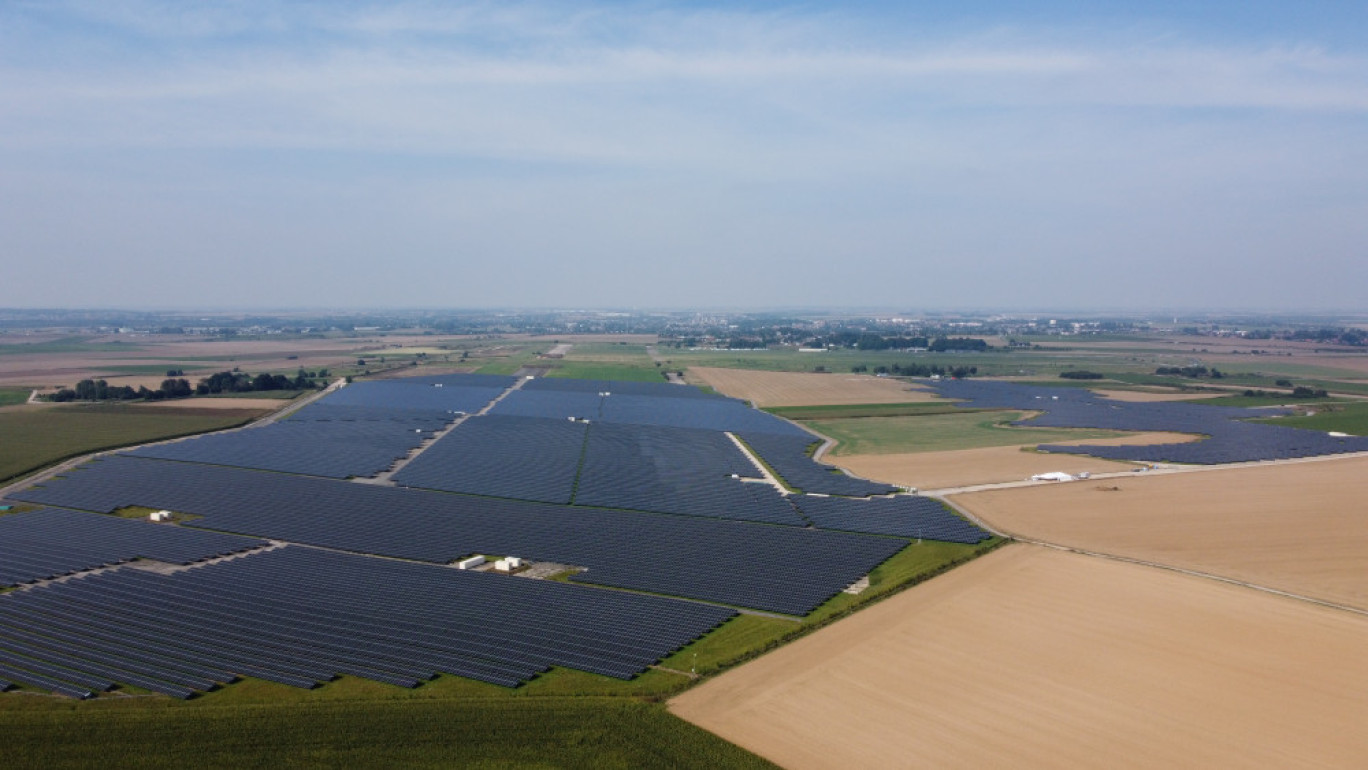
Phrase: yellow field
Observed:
(1031, 657)
(807, 388)
(1299, 527)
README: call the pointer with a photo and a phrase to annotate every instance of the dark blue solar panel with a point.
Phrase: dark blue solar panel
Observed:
(42, 544)
(333, 448)
(675, 470)
(300, 616)
(1228, 439)
(900, 515)
(784, 569)
(519, 457)
(788, 456)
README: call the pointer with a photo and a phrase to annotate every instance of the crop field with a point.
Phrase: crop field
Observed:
(494, 733)
(940, 432)
(38, 436)
(767, 389)
(1296, 527)
(1031, 657)
(12, 396)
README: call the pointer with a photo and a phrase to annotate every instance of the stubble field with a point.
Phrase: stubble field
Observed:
(1299, 527)
(1031, 657)
(767, 389)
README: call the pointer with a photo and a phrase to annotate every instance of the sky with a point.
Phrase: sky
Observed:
(1101, 155)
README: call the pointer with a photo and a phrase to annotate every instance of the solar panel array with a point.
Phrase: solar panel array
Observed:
(656, 389)
(299, 616)
(43, 544)
(675, 470)
(359, 430)
(1228, 438)
(526, 458)
(669, 407)
(900, 516)
(783, 569)
(788, 456)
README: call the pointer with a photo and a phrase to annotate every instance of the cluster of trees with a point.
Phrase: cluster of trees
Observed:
(241, 382)
(942, 344)
(1298, 392)
(100, 390)
(919, 370)
(1190, 371)
(1080, 374)
(179, 387)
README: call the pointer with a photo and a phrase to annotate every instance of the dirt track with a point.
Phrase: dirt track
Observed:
(809, 389)
(1297, 527)
(1031, 657)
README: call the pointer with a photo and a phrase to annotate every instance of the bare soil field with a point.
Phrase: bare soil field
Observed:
(967, 467)
(197, 356)
(989, 465)
(1030, 657)
(1145, 396)
(809, 389)
(1300, 527)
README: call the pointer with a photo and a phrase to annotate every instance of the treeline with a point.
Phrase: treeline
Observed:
(1081, 374)
(179, 387)
(1301, 391)
(919, 370)
(1190, 371)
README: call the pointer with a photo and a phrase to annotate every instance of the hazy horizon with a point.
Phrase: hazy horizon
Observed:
(616, 155)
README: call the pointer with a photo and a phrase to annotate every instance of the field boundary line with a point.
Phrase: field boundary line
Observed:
(1147, 563)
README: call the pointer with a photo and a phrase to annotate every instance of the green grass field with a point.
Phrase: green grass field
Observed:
(595, 370)
(848, 411)
(40, 436)
(1349, 418)
(939, 432)
(479, 733)
(12, 396)
(66, 345)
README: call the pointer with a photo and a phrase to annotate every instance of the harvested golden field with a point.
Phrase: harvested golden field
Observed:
(989, 465)
(1149, 396)
(1031, 657)
(966, 467)
(808, 388)
(1300, 527)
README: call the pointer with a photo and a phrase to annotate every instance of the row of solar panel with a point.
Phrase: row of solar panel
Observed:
(299, 616)
(719, 414)
(788, 456)
(799, 568)
(44, 544)
(1227, 438)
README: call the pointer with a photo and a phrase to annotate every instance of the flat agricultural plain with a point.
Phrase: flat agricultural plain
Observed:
(809, 388)
(1033, 657)
(988, 465)
(1300, 527)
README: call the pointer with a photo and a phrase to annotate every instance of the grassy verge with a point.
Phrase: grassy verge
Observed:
(595, 370)
(38, 437)
(940, 432)
(1345, 418)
